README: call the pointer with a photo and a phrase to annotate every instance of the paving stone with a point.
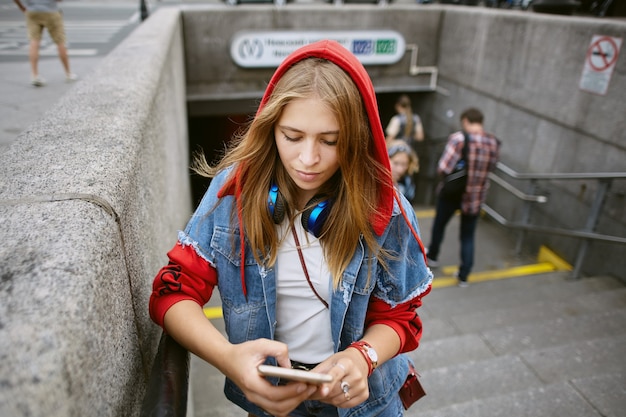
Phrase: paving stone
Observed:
(607, 393)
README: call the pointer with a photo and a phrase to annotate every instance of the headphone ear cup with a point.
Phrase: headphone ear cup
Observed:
(276, 204)
(313, 218)
(279, 209)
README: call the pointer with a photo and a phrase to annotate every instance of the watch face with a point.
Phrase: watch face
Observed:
(373, 355)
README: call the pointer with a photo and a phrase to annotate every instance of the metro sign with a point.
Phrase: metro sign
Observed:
(268, 49)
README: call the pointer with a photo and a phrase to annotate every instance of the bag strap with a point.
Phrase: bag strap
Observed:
(465, 149)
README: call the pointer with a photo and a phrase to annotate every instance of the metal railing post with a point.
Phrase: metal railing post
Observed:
(525, 217)
(592, 221)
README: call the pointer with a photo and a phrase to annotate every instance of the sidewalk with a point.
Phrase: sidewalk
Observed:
(96, 25)
(93, 28)
(21, 104)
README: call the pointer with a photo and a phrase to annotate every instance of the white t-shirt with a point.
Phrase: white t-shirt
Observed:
(303, 322)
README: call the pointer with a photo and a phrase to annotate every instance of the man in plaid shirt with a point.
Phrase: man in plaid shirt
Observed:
(483, 154)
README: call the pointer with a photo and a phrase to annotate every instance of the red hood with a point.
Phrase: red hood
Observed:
(334, 52)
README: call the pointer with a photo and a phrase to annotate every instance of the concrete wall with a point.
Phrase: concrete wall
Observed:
(90, 200)
(523, 70)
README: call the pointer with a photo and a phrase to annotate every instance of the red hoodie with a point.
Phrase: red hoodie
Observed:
(334, 52)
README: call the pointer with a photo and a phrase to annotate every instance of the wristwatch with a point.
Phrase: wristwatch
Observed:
(368, 352)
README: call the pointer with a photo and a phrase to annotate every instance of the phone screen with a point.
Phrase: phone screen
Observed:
(294, 374)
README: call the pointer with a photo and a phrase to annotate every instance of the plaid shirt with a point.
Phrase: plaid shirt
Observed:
(484, 152)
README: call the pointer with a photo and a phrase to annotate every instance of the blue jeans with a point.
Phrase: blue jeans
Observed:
(320, 409)
(445, 211)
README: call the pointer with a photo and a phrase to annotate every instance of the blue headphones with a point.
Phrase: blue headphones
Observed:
(313, 218)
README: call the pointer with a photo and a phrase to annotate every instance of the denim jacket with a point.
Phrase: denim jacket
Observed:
(214, 234)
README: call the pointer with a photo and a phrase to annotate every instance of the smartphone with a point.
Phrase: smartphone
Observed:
(294, 374)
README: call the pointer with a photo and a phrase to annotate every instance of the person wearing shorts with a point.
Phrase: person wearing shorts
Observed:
(42, 14)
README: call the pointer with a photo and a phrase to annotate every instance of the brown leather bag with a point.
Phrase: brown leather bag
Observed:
(412, 389)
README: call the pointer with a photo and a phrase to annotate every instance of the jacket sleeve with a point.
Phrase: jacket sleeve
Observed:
(402, 318)
(187, 276)
(451, 154)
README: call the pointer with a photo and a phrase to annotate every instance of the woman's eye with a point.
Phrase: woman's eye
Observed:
(290, 139)
(329, 142)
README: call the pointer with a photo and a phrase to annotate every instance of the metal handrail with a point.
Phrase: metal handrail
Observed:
(587, 234)
(560, 176)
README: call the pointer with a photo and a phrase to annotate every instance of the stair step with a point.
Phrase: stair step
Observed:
(540, 310)
(551, 400)
(532, 346)
(580, 359)
(502, 294)
(555, 332)
(475, 380)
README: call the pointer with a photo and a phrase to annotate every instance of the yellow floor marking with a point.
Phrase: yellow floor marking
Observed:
(213, 312)
(425, 214)
(448, 279)
(546, 255)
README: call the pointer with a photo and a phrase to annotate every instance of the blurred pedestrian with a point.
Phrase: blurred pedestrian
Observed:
(46, 14)
(404, 164)
(482, 157)
(405, 125)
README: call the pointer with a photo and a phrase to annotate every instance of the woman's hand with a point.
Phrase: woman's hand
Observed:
(349, 386)
(242, 370)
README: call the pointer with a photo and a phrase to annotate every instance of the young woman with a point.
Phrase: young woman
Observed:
(405, 125)
(404, 164)
(316, 258)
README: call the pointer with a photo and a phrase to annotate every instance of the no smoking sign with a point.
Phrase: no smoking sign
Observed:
(599, 64)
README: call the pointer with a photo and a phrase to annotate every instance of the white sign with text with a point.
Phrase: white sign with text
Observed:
(269, 49)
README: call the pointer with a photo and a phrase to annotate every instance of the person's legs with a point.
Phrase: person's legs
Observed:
(466, 235)
(445, 211)
(56, 28)
(63, 57)
(33, 56)
(35, 30)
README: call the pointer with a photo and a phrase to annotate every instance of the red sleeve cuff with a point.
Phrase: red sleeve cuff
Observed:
(159, 306)
(187, 277)
(403, 319)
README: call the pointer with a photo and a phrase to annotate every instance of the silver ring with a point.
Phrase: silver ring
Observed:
(345, 387)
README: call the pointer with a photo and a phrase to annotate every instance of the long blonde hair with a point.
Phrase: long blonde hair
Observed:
(354, 195)
(403, 104)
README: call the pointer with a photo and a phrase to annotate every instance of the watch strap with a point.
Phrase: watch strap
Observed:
(363, 348)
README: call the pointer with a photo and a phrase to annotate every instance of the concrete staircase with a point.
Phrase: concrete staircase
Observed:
(535, 345)
(541, 345)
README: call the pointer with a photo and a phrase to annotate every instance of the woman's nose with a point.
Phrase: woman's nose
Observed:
(309, 154)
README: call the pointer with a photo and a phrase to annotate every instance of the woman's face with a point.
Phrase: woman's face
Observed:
(306, 137)
(399, 165)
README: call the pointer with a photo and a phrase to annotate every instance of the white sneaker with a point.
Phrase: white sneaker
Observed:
(431, 262)
(71, 77)
(459, 283)
(38, 81)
